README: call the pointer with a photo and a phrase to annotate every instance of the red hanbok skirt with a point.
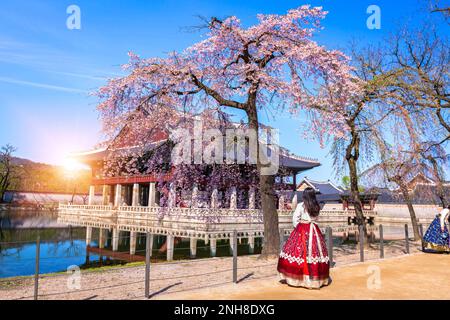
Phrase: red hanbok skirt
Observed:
(304, 260)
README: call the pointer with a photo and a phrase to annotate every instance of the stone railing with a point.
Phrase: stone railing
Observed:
(140, 212)
(190, 222)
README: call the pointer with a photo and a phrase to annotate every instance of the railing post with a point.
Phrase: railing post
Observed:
(406, 239)
(381, 242)
(36, 272)
(421, 230)
(235, 248)
(148, 254)
(329, 232)
(361, 243)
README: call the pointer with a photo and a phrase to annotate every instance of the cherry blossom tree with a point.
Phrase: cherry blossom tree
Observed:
(274, 64)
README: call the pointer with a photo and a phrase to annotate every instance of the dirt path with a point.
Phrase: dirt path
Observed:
(418, 276)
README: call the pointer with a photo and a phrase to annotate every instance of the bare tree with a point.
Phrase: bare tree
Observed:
(399, 167)
(7, 169)
(437, 7)
(368, 111)
(424, 57)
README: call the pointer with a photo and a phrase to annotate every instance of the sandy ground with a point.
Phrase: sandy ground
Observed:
(418, 276)
(405, 277)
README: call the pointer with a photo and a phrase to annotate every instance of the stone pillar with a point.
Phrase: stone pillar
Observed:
(252, 198)
(106, 194)
(91, 195)
(294, 201)
(193, 247)
(118, 197)
(170, 247)
(231, 243)
(88, 236)
(213, 247)
(115, 239)
(281, 203)
(135, 196)
(152, 195)
(133, 242)
(251, 244)
(172, 201)
(215, 199)
(101, 238)
(294, 181)
(151, 242)
(194, 198)
(233, 198)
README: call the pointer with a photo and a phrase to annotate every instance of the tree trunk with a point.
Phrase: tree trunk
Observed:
(271, 245)
(412, 213)
(354, 188)
(352, 156)
(270, 216)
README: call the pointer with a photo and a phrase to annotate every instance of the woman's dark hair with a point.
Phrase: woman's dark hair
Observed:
(310, 202)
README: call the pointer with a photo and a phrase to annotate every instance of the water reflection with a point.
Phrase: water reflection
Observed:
(61, 246)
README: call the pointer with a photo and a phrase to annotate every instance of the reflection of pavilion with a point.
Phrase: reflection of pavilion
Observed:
(148, 203)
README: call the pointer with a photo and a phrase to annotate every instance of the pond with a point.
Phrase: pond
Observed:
(60, 246)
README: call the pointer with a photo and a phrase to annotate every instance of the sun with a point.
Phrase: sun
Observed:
(72, 166)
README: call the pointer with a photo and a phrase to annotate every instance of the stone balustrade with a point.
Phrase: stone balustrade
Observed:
(208, 224)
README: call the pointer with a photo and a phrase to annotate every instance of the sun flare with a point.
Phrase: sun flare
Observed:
(72, 166)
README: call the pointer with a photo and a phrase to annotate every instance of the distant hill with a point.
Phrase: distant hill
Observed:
(40, 177)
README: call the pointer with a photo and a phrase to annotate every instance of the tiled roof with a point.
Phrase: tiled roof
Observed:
(323, 187)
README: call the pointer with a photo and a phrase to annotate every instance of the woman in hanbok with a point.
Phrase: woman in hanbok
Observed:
(304, 260)
(436, 239)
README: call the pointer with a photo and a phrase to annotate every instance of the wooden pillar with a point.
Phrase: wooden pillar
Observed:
(233, 198)
(88, 236)
(135, 195)
(91, 195)
(251, 244)
(213, 247)
(133, 242)
(118, 197)
(115, 239)
(170, 247)
(252, 198)
(193, 247)
(152, 195)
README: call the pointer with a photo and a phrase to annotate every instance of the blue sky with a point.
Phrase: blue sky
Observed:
(47, 70)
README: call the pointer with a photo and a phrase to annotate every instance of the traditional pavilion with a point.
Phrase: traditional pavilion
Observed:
(145, 189)
(131, 204)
